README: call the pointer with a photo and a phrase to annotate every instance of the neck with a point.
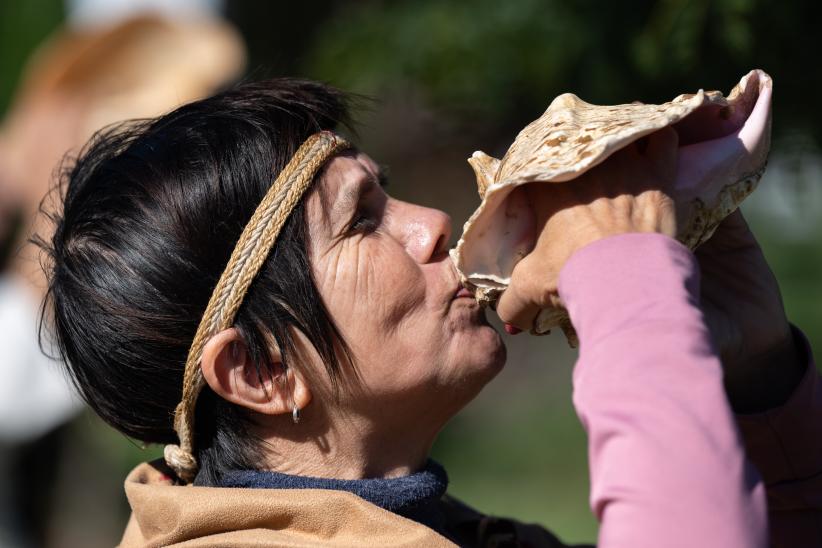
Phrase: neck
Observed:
(346, 448)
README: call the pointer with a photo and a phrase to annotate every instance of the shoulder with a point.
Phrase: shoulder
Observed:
(472, 528)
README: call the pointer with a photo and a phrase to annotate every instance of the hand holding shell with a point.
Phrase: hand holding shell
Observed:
(723, 148)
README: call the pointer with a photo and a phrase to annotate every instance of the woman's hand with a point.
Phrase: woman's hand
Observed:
(627, 193)
(740, 297)
(744, 311)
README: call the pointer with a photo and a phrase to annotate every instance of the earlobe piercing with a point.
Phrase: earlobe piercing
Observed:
(295, 414)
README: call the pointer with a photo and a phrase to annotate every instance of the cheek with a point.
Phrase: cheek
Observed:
(371, 288)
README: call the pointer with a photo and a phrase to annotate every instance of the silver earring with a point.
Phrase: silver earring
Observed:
(295, 414)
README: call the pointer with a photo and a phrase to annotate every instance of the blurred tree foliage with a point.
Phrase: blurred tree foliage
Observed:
(23, 25)
(500, 63)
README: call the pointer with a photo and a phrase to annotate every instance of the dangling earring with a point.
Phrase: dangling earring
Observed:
(295, 411)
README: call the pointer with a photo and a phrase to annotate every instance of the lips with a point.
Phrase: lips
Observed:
(459, 291)
(463, 293)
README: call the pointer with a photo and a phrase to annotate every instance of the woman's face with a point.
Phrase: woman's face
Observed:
(422, 348)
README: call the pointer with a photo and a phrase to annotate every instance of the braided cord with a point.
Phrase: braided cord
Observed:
(249, 254)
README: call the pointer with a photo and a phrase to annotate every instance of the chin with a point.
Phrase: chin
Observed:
(477, 357)
(483, 357)
(498, 356)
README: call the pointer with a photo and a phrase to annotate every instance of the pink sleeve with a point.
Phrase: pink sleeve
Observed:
(666, 459)
(785, 444)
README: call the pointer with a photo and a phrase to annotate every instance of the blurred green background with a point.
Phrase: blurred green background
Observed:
(451, 77)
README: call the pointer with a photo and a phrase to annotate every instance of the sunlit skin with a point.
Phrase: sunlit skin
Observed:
(421, 346)
(739, 294)
(383, 269)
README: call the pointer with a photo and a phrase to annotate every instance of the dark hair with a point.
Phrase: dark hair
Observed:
(150, 214)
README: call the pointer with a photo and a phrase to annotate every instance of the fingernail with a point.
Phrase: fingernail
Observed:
(511, 329)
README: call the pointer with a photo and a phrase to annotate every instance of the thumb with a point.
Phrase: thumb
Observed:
(519, 304)
(514, 309)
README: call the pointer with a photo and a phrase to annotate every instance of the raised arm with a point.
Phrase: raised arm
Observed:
(667, 463)
(770, 379)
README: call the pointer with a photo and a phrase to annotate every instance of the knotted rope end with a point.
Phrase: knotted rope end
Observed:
(181, 461)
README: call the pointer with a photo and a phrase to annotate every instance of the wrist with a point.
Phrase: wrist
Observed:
(619, 279)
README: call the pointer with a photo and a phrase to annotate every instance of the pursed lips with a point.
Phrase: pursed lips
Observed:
(459, 291)
(464, 296)
(462, 293)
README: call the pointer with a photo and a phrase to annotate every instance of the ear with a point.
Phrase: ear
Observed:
(230, 373)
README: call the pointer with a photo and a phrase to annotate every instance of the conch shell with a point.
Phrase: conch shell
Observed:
(723, 150)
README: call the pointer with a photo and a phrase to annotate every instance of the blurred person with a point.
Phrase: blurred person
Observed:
(111, 61)
(233, 280)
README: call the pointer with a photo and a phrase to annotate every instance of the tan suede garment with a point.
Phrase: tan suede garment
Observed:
(164, 514)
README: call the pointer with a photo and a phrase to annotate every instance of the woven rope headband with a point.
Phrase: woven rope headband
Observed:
(249, 254)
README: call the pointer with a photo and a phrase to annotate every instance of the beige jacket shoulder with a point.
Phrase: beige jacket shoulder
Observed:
(165, 514)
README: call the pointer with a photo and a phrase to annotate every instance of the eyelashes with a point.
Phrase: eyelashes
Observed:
(363, 224)
(370, 211)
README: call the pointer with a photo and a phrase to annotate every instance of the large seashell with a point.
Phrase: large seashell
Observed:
(723, 149)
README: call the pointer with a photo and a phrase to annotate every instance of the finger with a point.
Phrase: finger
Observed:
(516, 309)
(662, 152)
(662, 146)
(662, 143)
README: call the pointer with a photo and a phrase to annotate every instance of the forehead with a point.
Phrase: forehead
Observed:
(343, 170)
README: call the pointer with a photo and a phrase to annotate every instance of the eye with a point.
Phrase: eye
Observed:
(363, 223)
(370, 208)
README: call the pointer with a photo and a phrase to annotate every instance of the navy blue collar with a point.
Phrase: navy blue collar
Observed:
(403, 495)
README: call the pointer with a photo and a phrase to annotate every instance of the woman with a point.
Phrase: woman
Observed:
(305, 341)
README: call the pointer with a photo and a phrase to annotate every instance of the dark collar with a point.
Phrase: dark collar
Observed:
(399, 495)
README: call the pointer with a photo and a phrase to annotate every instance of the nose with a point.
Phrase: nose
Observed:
(425, 232)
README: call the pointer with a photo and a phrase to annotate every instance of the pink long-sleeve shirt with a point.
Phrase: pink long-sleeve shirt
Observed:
(671, 466)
